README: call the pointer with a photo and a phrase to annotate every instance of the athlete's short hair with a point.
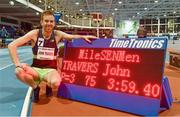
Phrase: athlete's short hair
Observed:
(47, 12)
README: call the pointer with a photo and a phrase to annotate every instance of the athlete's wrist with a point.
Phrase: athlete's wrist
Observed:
(18, 66)
(17, 63)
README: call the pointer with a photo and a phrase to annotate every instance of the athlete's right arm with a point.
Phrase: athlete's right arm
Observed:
(19, 42)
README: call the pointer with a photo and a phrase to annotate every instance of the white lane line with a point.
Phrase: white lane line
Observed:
(25, 108)
(13, 64)
(6, 58)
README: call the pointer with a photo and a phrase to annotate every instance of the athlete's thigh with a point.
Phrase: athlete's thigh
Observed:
(53, 76)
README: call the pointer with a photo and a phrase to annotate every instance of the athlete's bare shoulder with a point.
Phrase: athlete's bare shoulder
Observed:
(58, 35)
(58, 32)
(30, 36)
(33, 33)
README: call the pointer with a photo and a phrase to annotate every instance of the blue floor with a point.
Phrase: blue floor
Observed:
(12, 91)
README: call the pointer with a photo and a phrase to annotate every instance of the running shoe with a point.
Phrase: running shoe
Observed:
(49, 91)
(36, 94)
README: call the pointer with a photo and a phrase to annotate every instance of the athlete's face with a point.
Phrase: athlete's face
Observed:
(48, 23)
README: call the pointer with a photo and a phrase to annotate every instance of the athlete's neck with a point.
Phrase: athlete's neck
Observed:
(46, 34)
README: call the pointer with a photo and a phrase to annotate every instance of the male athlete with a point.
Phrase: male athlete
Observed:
(44, 46)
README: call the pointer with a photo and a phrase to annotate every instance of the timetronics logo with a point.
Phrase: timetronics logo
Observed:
(137, 43)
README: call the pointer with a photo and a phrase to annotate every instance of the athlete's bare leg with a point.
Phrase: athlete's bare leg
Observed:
(27, 75)
(53, 79)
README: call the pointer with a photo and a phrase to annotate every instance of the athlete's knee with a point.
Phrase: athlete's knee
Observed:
(19, 73)
(22, 75)
(55, 82)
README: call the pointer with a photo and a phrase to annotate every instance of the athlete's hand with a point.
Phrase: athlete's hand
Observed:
(88, 38)
(21, 66)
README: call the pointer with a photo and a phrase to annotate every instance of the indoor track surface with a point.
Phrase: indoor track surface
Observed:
(13, 93)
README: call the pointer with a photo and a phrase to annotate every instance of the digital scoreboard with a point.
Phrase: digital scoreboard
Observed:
(123, 74)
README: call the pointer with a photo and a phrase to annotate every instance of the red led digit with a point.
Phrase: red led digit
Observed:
(147, 90)
(90, 80)
(111, 84)
(124, 85)
(87, 79)
(132, 87)
(155, 90)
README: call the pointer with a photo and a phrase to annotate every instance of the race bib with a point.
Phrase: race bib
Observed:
(45, 53)
(41, 42)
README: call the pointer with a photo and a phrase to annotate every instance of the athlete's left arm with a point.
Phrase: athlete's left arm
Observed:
(70, 37)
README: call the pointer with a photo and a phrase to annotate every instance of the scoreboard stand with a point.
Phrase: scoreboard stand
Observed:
(166, 98)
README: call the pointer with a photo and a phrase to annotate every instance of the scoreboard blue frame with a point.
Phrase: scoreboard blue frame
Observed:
(132, 103)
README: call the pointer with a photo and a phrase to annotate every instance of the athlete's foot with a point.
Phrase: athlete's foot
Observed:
(36, 94)
(49, 91)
